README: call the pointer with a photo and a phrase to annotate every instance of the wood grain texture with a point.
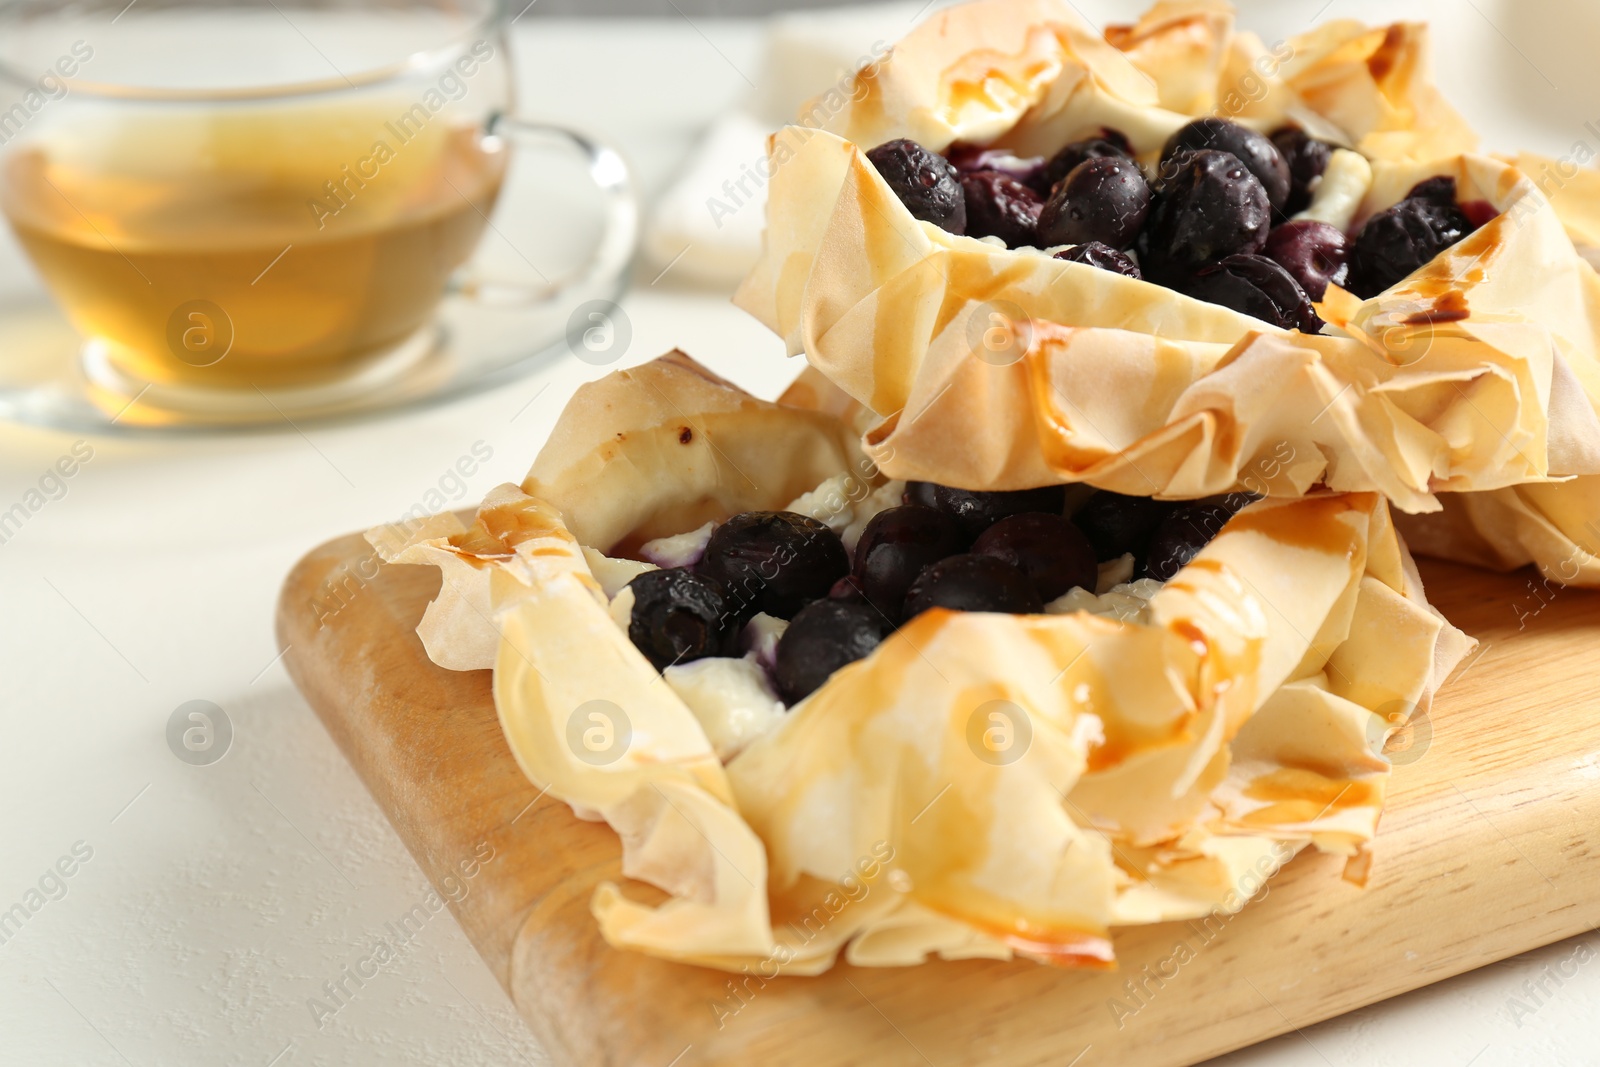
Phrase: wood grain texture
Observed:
(1489, 848)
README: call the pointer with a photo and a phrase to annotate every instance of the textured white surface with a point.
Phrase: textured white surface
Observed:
(219, 899)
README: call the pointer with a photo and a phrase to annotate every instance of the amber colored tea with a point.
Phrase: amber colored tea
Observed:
(252, 247)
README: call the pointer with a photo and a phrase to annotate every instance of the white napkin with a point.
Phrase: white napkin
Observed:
(708, 223)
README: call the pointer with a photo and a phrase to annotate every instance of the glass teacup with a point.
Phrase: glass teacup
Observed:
(266, 201)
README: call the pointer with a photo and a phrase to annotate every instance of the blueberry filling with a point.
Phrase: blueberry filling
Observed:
(924, 181)
(977, 510)
(1181, 536)
(847, 588)
(1015, 552)
(1256, 151)
(824, 636)
(774, 562)
(1307, 158)
(999, 205)
(1029, 170)
(1105, 257)
(1206, 207)
(894, 548)
(1049, 549)
(1110, 144)
(1258, 287)
(678, 617)
(1118, 525)
(1396, 242)
(1314, 253)
(973, 583)
(1204, 225)
(1104, 200)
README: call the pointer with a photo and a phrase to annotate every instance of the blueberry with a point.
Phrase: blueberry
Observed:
(1117, 139)
(1255, 150)
(1000, 206)
(1109, 145)
(1181, 536)
(1395, 243)
(976, 511)
(823, 637)
(1105, 257)
(1258, 287)
(1314, 254)
(920, 493)
(894, 548)
(973, 583)
(1029, 170)
(1049, 549)
(1307, 158)
(846, 589)
(1117, 525)
(774, 561)
(1234, 502)
(1440, 191)
(1479, 213)
(1211, 206)
(1103, 200)
(679, 616)
(924, 181)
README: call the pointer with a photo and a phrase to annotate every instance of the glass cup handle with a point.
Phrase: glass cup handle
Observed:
(618, 239)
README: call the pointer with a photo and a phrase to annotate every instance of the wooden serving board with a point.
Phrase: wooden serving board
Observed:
(1491, 847)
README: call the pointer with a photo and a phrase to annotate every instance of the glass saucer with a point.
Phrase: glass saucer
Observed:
(50, 377)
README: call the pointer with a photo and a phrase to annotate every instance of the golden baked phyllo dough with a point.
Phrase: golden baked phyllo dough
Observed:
(828, 711)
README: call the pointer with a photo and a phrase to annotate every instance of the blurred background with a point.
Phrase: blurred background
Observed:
(640, 8)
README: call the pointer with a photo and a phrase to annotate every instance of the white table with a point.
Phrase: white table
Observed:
(218, 899)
